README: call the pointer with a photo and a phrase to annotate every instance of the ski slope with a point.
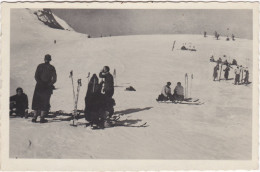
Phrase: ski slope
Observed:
(218, 129)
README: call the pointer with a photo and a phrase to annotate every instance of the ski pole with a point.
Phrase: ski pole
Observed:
(71, 76)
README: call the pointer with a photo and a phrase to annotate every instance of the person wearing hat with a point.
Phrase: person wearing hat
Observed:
(108, 82)
(45, 77)
(178, 92)
(19, 103)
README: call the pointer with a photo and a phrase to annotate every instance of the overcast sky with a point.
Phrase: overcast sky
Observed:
(134, 22)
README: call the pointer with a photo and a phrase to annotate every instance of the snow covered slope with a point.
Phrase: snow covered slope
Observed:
(147, 62)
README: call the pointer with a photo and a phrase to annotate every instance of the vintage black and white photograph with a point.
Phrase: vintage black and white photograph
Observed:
(132, 83)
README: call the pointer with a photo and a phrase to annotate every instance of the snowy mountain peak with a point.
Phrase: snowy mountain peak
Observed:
(48, 18)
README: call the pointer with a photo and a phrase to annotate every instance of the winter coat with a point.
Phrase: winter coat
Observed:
(108, 83)
(215, 72)
(21, 101)
(45, 77)
(179, 90)
(166, 91)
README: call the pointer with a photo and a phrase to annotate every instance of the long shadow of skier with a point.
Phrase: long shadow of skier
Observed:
(132, 110)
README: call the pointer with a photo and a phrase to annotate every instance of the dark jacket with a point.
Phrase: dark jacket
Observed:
(21, 102)
(45, 74)
(109, 81)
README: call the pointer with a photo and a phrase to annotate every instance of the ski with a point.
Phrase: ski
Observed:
(75, 111)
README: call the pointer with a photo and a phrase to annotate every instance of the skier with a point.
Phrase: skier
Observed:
(178, 93)
(227, 39)
(215, 72)
(95, 103)
(212, 59)
(205, 34)
(45, 77)
(219, 60)
(237, 75)
(246, 76)
(108, 88)
(233, 37)
(226, 72)
(166, 93)
(217, 36)
(234, 62)
(19, 103)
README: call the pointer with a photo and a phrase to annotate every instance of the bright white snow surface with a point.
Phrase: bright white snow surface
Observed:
(218, 129)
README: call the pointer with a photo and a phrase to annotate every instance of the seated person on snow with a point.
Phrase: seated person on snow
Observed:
(166, 93)
(178, 92)
(19, 104)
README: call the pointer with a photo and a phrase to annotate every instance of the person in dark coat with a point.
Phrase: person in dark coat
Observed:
(45, 77)
(108, 89)
(215, 72)
(95, 103)
(246, 76)
(19, 103)
(226, 72)
(108, 82)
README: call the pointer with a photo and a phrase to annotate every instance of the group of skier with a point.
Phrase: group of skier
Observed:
(241, 73)
(166, 93)
(98, 105)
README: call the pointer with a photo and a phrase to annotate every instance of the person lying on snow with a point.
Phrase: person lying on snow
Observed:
(178, 95)
(166, 93)
(183, 48)
(19, 104)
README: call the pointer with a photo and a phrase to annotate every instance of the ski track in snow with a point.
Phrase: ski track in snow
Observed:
(219, 129)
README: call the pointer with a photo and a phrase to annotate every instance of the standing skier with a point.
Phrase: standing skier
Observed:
(246, 76)
(237, 75)
(45, 77)
(226, 72)
(108, 83)
(215, 72)
(108, 89)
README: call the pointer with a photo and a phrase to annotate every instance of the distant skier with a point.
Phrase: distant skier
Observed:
(234, 62)
(212, 59)
(178, 93)
(246, 76)
(205, 34)
(237, 75)
(215, 72)
(226, 70)
(19, 104)
(227, 39)
(165, 93)
(218, 35)
(219, 60)
(215, 33)
(233, 37)
(45, 77)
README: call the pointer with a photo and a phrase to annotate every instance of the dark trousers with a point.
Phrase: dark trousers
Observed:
(237, 79)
